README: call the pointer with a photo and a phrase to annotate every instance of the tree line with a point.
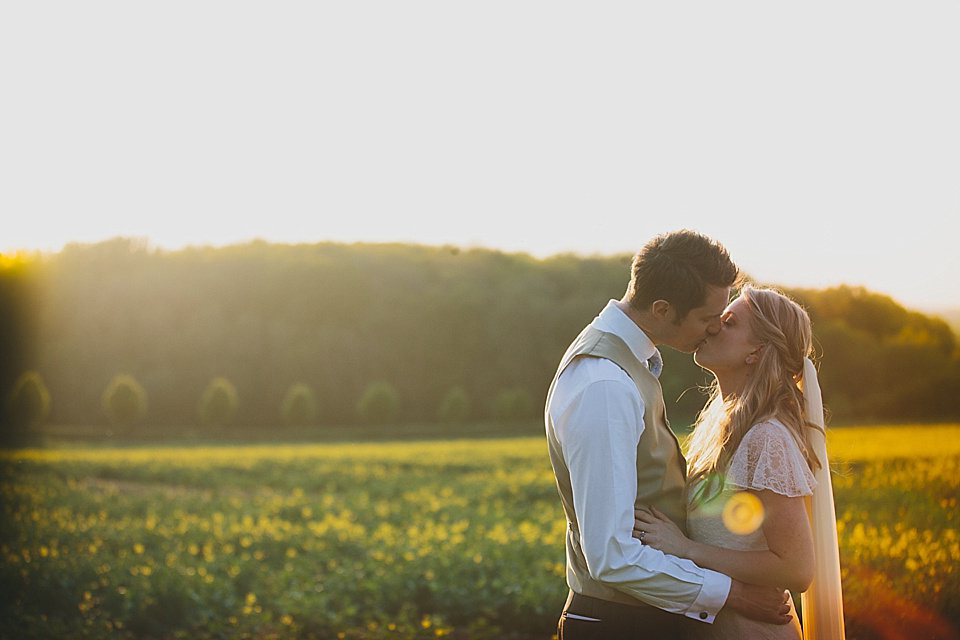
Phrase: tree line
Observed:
(338, 334)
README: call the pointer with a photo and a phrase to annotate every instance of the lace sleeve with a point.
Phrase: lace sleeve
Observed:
(769, 458)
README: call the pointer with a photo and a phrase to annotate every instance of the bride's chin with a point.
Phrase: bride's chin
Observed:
(699, 359)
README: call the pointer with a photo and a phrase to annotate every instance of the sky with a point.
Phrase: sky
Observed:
(818, 141)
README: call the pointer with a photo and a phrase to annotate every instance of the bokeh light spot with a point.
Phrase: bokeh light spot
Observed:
(743, 513)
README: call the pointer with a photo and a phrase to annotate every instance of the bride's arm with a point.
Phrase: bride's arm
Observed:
(787, 564)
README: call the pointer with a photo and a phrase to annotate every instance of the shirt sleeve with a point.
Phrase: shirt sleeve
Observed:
(603, 425)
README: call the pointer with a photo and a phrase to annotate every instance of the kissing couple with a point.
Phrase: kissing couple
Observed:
(707, 544)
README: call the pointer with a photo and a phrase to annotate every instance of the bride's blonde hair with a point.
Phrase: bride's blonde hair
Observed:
(784, 328)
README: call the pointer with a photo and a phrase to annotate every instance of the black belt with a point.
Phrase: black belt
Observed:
(590, 607)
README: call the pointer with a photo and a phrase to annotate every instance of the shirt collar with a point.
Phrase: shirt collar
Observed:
(613, 320)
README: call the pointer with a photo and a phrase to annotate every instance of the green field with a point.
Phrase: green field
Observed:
(459, 539)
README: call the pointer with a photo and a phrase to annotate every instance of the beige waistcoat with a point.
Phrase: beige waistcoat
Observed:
(661, 468)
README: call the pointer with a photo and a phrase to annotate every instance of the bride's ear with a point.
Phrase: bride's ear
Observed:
(754, 356)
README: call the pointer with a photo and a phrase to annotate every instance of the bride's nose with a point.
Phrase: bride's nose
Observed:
(714, 327)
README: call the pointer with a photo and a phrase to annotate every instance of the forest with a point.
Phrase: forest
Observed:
(260, 335)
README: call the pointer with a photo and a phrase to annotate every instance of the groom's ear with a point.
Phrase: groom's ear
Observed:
(660, 309)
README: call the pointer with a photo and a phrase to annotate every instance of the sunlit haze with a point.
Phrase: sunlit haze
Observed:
(818, 141)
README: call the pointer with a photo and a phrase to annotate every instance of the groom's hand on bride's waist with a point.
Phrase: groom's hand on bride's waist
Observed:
(766, 604)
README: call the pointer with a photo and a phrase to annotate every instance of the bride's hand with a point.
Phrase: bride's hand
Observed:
(658, 531)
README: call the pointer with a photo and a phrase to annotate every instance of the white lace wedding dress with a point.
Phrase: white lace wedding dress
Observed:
(767, 458)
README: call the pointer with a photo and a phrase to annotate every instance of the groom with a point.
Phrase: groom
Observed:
(612, 450)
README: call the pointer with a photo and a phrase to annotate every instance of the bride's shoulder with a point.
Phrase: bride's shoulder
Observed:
(769, 458)
(767, 430)
(768, 436)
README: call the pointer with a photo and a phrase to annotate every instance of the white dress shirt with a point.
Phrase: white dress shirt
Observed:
(597, 414)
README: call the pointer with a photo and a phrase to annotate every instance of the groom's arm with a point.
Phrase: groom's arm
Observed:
(599, 432)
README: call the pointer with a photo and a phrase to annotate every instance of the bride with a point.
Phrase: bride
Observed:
(760, 503)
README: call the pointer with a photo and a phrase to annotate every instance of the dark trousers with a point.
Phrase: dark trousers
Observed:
(586, 618)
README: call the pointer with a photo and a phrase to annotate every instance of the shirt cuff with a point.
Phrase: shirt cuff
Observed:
(712, 597)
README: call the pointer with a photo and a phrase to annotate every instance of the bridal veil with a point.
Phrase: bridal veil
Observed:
(823, 601)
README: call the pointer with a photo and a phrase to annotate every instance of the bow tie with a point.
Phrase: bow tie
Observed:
(655, 364)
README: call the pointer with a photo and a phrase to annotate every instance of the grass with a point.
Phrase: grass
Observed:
(407, 539)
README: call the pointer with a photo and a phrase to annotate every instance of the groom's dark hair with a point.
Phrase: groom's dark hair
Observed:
(678, 267)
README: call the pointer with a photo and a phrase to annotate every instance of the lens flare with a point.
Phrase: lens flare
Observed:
(743, 513)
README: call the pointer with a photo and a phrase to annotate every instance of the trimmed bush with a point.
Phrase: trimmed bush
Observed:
(299, 406)
(28, 403)
(124, 401)
(455, 406)
(219, 402)
(379, 404)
